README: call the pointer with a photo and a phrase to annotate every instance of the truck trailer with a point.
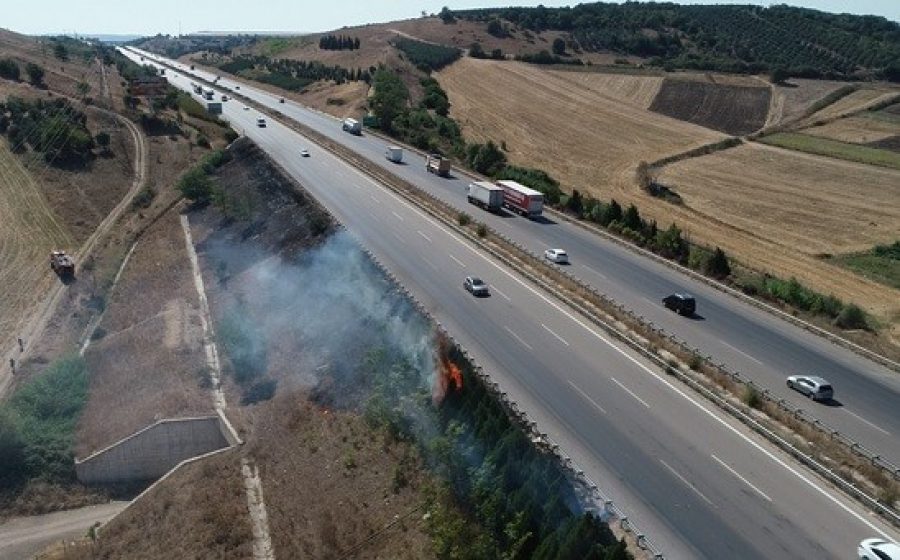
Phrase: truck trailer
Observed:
(485, 195)
(437, 164)
(214, 107)
(521, 199)
(209, 94)
(352, 126)
(394, 154)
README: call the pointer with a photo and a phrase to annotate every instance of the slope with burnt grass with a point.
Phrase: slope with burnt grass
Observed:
(732, 109)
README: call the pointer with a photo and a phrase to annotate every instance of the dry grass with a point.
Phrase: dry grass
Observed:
(857, 130)
(790, 101)
(785, 208)
(330, 483)
(198, 512)
(632, 89)
(150, 364)
(583, 136)
(774, 210)
(857, 101)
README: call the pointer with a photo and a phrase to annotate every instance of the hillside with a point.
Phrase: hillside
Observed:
(750, 39)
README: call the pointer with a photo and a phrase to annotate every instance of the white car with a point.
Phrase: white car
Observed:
(557, 255)
(812, 386)
(878, 549)
(246, 108)
(304, 153)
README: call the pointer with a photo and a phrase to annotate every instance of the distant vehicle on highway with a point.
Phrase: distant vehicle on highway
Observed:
(556, 255)
(261, 122)
(237, 87)
(684, 304)
(304, 153)
(224, 98)
(352, 126)
(521, 199)
(476, 286)
(878, 549)
(281, 99)
(394, 154)
(813, 387)
(486, 195)
(435, 163)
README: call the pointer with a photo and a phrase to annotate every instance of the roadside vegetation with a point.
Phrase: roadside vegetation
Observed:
(37, 426)
(292, 75)
(833, 148)
(427, 56)
(881, 264)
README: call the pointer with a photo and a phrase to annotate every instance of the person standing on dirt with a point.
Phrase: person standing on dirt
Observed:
(21, 344)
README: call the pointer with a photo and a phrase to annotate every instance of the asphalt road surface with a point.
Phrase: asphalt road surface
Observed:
(695, 481)
(763, 347)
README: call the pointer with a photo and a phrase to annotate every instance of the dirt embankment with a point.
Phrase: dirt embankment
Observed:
(733, 109)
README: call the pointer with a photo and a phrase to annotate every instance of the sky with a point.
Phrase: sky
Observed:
(87, 17)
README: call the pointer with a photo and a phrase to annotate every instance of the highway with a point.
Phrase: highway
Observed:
(759, 345)
(695, 481)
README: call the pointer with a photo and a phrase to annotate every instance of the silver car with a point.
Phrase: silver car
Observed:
(476, 286)
(878, 549)
(813, 387)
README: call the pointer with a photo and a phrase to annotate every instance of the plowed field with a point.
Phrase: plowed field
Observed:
(733, 109)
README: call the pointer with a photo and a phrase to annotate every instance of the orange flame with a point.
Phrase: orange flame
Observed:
(447, 372)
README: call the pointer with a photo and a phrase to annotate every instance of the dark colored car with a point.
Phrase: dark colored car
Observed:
(684, 304)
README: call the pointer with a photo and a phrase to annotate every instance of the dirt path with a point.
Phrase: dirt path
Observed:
(23, 537)
(30, 325)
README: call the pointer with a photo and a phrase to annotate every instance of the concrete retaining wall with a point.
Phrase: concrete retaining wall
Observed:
(153, 451)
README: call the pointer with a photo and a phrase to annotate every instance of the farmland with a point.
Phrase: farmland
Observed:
(753, 201)
(732, 109)
(856, 130)
(765, 195)
(834, 148)
(856, 101)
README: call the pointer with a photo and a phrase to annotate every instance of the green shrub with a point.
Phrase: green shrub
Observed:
(852, 317)
(463, 219)
(752, 397)
(481, 230)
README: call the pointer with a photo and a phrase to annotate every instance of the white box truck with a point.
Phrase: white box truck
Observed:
(485, 195)
(394, 154)
(352, 126)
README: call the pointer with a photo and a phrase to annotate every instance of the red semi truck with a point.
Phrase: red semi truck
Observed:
(521, 199)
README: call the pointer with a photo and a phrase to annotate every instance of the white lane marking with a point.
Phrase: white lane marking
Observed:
(396, 215)
(861, 419)
(630, 392)
(559, 338)
(741, 352)
(428, 239)
(496, 289)
(686, 482)
(588, 397)
(546, 299)
(459, 262)
(517, 337)
(375, 199)
(595, 271)
(737, 474)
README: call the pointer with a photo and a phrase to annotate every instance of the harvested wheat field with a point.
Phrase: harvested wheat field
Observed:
(29, 230)
(633, 89)
(856, 130)
(580, 135)
(149, 363)
(783, 208)
(859, 100)
(789, 101)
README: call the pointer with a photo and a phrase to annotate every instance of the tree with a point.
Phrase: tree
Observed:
(495, 28)
(632, 219)
(196, 186)
(778, 75)
(83, 88)
(35, 74)
(447, 16)
(852, 317)
(9, 69)
(559, 46)
(102, 140)
(486, 159)
(611, 213)
(718, 266)
(389, 99)
(575, 203)
(61, 52)
(475, 51)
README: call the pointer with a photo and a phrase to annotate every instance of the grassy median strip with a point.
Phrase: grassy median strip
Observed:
(833, 148)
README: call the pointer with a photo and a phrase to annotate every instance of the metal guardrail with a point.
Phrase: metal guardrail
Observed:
(435, 206)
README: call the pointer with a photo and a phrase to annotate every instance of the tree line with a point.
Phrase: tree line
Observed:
(53, 128)
(427, 56)
(338, 43)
